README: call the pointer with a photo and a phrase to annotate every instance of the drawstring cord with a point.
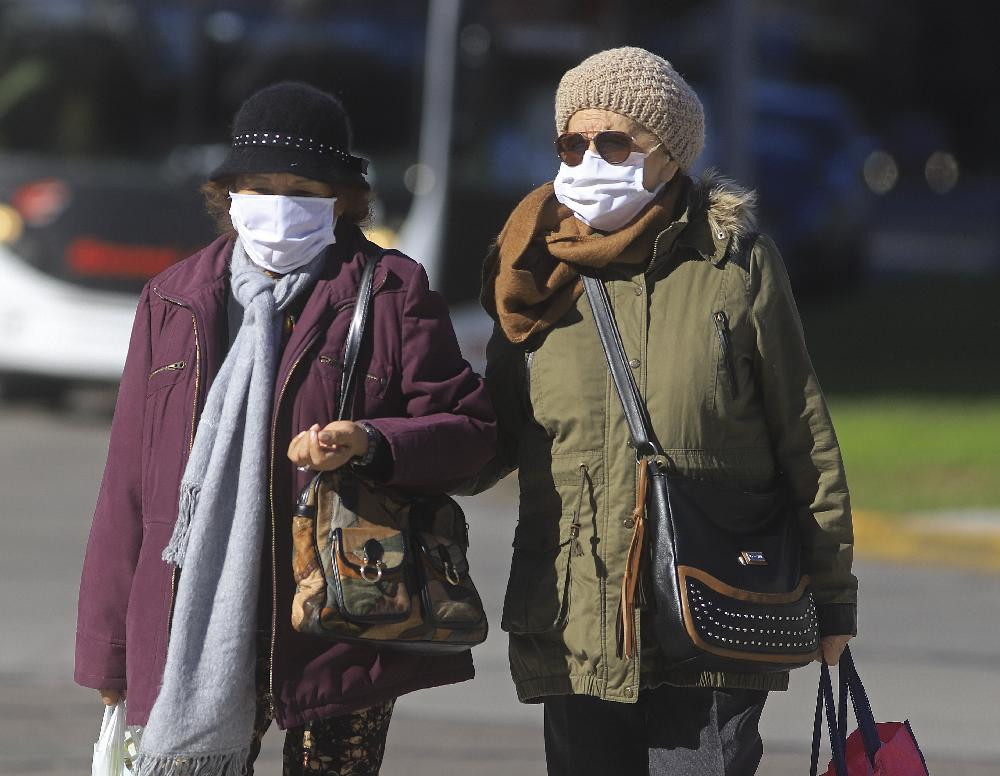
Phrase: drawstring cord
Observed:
(576, 550)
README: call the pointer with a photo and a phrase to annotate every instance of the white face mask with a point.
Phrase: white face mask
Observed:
(603, 195)
(282, 233)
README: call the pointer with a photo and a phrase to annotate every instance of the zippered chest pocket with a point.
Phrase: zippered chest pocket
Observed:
(727, 353)
(167, 373)
(373, 381)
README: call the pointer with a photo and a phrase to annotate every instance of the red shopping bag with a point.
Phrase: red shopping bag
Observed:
(874, 749)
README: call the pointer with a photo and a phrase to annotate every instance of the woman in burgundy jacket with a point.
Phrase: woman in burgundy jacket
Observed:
(234, 365)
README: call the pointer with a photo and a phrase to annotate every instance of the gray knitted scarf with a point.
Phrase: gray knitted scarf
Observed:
(202, 721)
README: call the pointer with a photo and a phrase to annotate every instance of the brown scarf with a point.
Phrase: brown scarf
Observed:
(530, 278)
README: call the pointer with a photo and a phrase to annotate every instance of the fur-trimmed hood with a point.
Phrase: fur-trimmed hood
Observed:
(728, 209)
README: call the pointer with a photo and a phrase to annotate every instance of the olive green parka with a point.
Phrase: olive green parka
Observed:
(717, 349)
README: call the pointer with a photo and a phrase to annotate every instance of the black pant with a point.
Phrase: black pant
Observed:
(680, 731)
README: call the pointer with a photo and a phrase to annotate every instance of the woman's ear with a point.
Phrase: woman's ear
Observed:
(658, 169)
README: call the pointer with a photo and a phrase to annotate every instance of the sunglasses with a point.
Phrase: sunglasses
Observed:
(613, 146)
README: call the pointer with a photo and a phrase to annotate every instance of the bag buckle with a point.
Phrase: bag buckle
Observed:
(451, 574)
(366, 565)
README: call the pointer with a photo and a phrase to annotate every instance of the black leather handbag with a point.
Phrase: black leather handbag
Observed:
(722, 564)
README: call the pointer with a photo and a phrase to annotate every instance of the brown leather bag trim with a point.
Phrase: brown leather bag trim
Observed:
(683, 572)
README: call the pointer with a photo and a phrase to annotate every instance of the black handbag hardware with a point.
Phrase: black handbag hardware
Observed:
(723, 563)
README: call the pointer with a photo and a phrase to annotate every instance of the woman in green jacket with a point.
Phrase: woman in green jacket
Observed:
(715, 343)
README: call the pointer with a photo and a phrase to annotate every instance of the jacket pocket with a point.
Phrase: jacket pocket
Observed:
(545, 544)
(537, 598)
(373, 382)
(721, 321)
(165, 374)
(167, 434)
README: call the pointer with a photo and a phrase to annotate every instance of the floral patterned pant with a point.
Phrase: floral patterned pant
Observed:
(349, 745)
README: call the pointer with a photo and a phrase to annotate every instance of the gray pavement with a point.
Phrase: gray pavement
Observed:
(929, 648)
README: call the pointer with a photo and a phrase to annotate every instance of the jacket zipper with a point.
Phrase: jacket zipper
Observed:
(177, 365)
(270, 499)
(656, 247)
(726, 342)
(274, 549)
(194, 421)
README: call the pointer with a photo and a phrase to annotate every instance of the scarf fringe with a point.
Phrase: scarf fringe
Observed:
(176, 548)
(226, 764)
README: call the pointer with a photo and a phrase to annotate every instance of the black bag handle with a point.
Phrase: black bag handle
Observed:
(636, 415)
(850, 685)
(824, 698)
(355, 336)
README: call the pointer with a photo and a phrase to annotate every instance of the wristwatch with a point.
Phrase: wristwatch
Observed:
(365, 460)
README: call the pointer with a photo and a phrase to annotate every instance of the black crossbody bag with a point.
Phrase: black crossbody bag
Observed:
(720, 565)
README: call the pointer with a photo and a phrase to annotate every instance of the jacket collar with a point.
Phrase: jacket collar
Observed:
(207, 271)
(718, 214)
(201, 283)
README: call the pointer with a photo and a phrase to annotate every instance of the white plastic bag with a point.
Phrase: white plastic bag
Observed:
(117, 745)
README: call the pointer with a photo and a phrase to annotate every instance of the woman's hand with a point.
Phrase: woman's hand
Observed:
(831, 648)
(328, 448)
(111, 697)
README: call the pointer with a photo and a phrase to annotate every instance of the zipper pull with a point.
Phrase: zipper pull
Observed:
(726, 343)
(174, 367)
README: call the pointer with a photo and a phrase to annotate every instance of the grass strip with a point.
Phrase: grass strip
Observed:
(906, 455)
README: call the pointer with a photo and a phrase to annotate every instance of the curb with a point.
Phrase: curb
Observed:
(904, 539)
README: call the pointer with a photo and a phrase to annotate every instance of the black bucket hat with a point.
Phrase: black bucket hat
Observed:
(296, 128)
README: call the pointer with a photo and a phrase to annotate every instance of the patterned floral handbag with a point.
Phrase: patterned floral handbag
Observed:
(377, 565)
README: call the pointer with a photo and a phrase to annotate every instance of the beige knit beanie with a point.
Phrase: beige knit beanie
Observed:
(643, 86)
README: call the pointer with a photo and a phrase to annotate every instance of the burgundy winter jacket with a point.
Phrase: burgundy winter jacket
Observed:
(418, 392)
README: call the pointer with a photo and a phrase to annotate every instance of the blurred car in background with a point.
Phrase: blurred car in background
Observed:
(808, 150)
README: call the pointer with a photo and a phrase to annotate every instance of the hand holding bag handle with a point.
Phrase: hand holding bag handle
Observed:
(850, 686)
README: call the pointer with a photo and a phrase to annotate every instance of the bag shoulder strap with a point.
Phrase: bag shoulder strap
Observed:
(636, 414)
(355, 336)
